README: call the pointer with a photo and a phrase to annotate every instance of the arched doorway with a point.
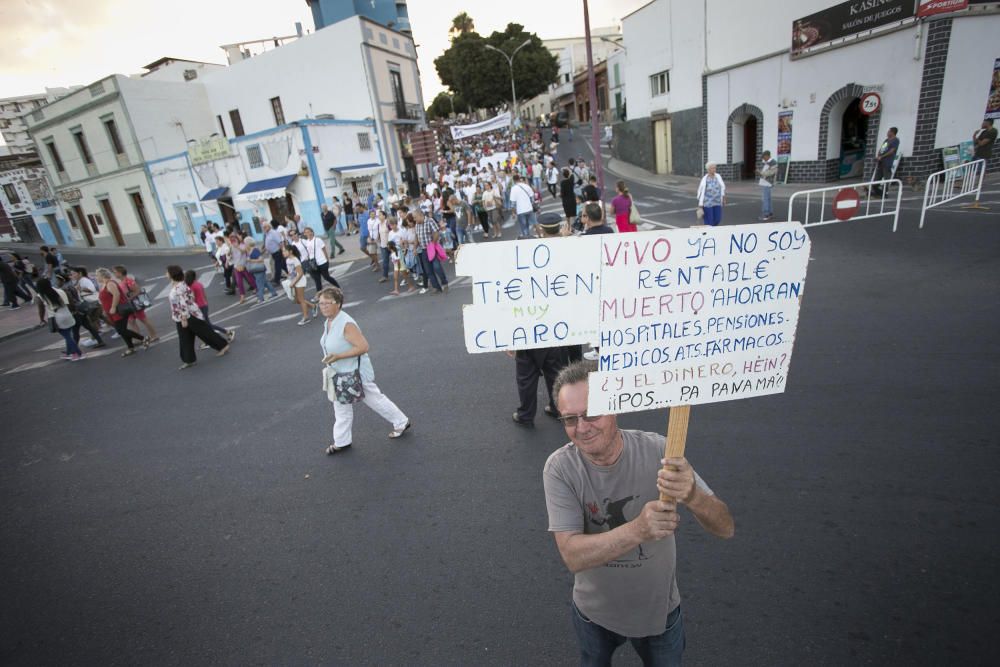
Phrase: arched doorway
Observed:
(745, 136)
(853, 140)
(847, 137)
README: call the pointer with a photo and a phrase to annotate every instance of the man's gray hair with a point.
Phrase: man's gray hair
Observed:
(575, 373)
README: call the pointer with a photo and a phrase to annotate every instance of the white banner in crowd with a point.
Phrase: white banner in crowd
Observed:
(495, 123)
(680, 317)
(496, 159)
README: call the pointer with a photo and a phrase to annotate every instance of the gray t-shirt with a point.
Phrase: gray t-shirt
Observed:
(634, 594)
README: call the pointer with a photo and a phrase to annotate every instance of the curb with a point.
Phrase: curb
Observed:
(22, 248)
(18, 332)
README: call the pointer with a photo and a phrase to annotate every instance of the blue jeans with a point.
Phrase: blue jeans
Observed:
(525, 222)
(598, 643)
(765, 201)
(433, 271)
(260, 277)
(67, 334)
(384, 253)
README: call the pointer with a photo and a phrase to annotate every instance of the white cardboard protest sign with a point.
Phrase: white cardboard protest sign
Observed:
(531, 294)
(681, 317)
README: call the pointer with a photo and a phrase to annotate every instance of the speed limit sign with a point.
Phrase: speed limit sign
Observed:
(870, 103)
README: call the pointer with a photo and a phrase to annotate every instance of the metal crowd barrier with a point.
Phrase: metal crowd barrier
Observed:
(871, 205)
(949, 184)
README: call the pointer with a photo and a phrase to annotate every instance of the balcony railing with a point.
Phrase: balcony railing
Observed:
(408, 111)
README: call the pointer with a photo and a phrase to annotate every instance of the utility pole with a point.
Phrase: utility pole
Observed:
(510, 63)
(595, 133)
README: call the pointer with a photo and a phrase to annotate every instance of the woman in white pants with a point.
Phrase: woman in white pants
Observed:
(346, 350)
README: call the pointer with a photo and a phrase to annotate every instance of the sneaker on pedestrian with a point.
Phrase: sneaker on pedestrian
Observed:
(89, 342)
(204, 346)
(230, 335)
(303, 322)
(76, 357)
(14, 306)
(591, 355)
(423, 290)
(64, 356)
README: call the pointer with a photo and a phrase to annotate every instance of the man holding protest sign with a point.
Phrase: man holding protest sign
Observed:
(616, 534)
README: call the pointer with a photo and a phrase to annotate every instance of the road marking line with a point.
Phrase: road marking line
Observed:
(32, 365)
(280, 318)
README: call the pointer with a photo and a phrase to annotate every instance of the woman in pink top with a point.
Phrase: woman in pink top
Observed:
(200, 300)
(622, 206)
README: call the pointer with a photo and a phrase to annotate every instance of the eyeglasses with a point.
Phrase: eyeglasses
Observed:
(570, 421)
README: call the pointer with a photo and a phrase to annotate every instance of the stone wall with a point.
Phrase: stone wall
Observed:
(686, 141)
(632, 141)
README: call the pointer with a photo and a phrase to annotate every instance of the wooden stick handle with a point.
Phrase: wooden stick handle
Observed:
(677, 431)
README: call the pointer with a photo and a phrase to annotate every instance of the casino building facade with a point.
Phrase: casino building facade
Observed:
(816, 83)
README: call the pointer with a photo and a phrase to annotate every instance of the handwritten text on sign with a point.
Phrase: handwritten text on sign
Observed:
(680, 316)
(531, 294)
(697, 315)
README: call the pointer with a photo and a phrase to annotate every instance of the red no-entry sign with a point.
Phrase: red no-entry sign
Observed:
(846, 204)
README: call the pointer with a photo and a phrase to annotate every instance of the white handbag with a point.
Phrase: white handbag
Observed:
(64, 318)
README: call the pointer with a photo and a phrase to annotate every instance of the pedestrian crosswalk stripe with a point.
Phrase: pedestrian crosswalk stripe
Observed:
(280, 318)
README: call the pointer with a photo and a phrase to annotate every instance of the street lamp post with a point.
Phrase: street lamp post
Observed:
(510, 63)
(595, 132)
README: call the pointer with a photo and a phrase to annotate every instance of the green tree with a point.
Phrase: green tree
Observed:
(482, 77)
(461, 25)
(444, 103)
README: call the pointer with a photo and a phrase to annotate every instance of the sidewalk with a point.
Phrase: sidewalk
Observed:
(32, 248)
(748, 188)
(19, 321)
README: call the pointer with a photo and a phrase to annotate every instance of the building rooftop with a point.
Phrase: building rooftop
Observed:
(166, 60)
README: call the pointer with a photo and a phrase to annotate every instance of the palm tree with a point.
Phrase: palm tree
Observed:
(461, 25)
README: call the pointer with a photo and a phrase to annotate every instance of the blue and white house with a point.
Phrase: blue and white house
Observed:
(144, 162)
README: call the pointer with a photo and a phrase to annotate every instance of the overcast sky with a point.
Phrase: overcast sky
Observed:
(66, 42)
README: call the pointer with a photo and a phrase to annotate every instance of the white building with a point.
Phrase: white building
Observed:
(572, 55)
(931, 75)
(617, 97)
(25, 198)
(12, 112)
(144, 161)
(95, 143)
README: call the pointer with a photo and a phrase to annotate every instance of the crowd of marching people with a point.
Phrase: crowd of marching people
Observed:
(480, 184)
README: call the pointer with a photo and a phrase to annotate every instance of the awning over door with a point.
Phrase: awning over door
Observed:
(358, 170)
(217, 193)
(269, 188)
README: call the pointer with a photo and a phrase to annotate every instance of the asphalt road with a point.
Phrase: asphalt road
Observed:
(158, 517)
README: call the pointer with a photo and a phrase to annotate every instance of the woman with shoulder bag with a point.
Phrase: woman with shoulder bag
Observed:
(57, 312)
(117, 308)
(711, 196)
(257, 267)
(348, 375)
(622, 207)
(132, 290)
